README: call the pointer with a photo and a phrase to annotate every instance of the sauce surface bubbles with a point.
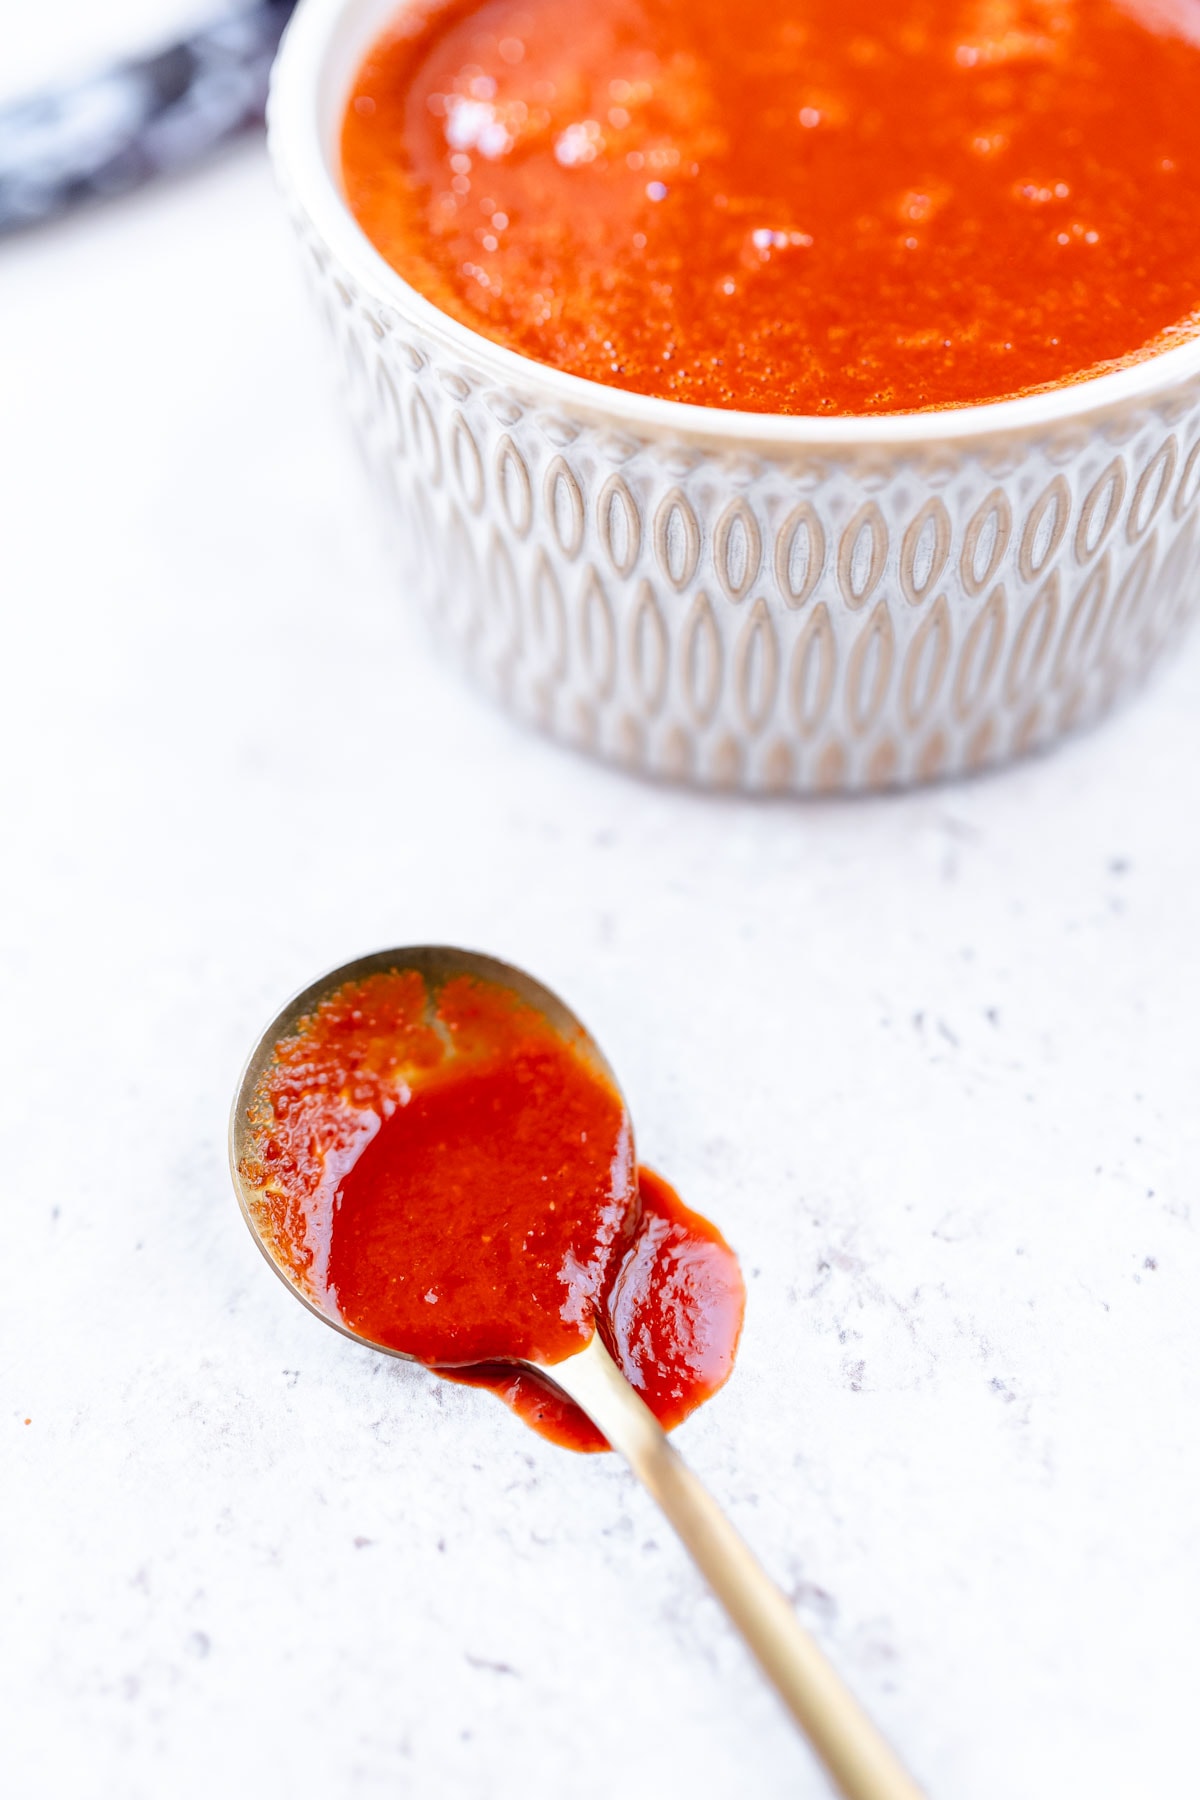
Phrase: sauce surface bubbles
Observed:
(793, 206)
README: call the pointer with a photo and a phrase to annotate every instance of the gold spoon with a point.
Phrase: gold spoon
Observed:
(860, 1762)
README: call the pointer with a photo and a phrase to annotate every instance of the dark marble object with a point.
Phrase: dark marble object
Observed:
(126, 124)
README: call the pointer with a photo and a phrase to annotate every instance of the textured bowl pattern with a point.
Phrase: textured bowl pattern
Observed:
(766, 616)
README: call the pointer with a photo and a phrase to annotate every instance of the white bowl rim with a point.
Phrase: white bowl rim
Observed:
(304, 162)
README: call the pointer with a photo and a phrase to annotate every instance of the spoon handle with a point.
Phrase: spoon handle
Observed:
(860, 1762)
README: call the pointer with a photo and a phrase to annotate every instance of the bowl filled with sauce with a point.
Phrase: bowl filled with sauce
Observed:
(793, 397)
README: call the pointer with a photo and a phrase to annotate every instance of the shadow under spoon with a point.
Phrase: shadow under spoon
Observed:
(858, 1759)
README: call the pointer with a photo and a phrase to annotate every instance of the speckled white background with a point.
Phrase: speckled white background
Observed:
(930, 1061)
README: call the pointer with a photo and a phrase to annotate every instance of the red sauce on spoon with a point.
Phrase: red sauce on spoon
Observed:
(793, 206)
(448, 1176)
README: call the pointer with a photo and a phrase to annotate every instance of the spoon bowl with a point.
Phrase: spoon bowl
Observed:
(861, 1764)
(437, 964)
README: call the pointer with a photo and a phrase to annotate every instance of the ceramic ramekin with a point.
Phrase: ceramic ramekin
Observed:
(730, 598)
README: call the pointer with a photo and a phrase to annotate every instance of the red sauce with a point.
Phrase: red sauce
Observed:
(450, 1177)
(793, 206)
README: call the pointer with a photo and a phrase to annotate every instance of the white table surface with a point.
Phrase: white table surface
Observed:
(930, 1061)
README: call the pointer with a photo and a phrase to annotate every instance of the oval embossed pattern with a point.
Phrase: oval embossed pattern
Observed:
(702, 661)
(985, 542)
(677, 540)
(425, 438)
(1153, 486)
(800, 555)
(649, 650)
(460, 603)
(786, 616)
(1099, 511)
(1175, 595)
(925, 551)
(598, 635)
(505, 631)
(980, 655)
(1126, 613)
(514, 487)
(869, 671)
(1189, 483)
(1045, 529)
(1082, 629)
(862, 555)
(468, 468)
(564, 504)
(1031, 644)
(756, 668)
(737, 549)
(620, 525)
(548, 637)
(392, 418)
(925, 665)
(814, 672)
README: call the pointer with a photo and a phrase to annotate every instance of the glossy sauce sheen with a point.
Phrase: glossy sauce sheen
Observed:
(453, 1179)
(793, 206)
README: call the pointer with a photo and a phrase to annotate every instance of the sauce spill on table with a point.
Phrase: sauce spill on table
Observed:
(446, 1174)
(793, 206)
